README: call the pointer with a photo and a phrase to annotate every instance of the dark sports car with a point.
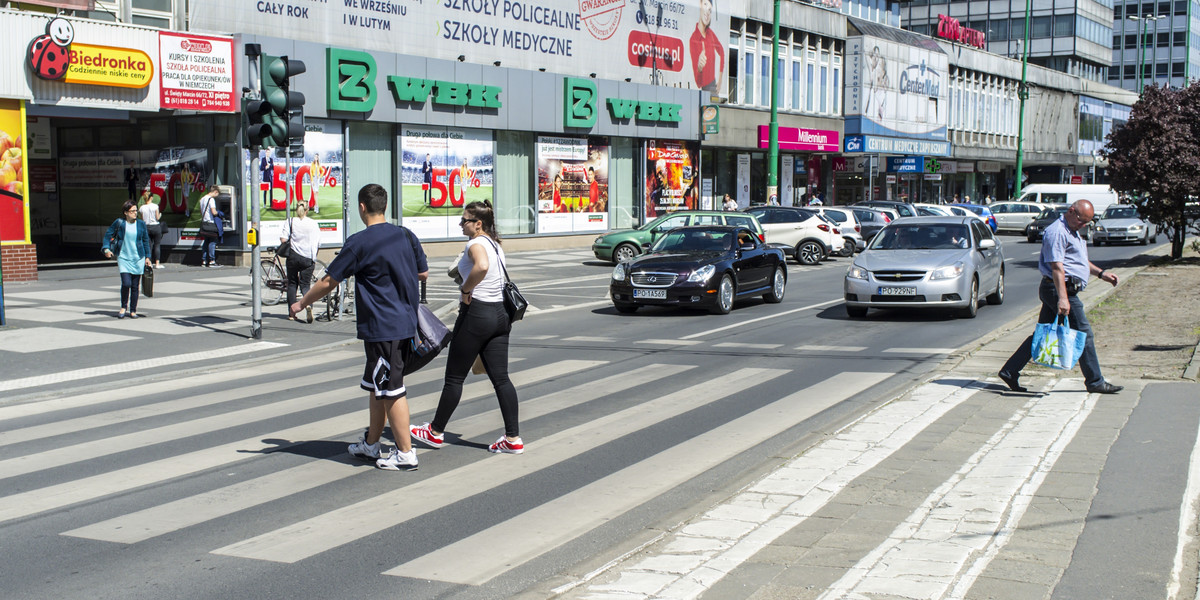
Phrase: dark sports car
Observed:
(701, 267)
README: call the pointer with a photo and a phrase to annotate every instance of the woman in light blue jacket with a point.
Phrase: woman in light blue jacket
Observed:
(132, 257)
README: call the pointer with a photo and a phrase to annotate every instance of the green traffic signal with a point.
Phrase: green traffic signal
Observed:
(285, 117)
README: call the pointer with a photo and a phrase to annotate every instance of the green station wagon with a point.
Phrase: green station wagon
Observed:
(620, 246)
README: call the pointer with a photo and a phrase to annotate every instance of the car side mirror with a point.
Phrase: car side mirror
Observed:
(645, 246)
(986, 244)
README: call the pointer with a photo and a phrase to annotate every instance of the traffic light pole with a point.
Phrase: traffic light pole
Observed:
(255, 212)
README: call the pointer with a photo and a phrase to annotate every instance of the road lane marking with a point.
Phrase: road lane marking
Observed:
(669, 342)
(589, 338)
(747, 346)
(923, 351)
(39, 500)
(816, 348)
(193, 510)
(312, 536)
(474, 561)
(772, 316)
(1187, 518)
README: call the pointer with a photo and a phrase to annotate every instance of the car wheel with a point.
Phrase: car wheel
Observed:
(1145, 239)
(724, 296)
(809, 253)
(972, 307)
(848, 247)
(778, 287)
(1098, 243)
(625, 252)
(856, 312)
(1032, 239)
(997, 297)
(1154, 240)
(626, 309)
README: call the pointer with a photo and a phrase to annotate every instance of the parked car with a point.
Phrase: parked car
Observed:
(1048, 215)
(902, 209)
(624, 244)
(1016, 216)
(871, 221)
(847, 222)
(932, 210)
(944, 262)
(807, 236)
(984, 213)
(1101, 196)
(701, 267)
(1122, 223)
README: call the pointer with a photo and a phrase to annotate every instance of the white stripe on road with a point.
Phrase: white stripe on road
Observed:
(747, 346)
(589, 338)
(669, 342)
(474, 560)
(1187, 521)
(790, 495)
(922, 351)
(193, 510)
(815, 348)
(148, 365)
(771, 316)
(336, 528)
(40, 500)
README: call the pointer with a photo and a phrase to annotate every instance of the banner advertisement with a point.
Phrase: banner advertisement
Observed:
(96, 184)
(786, 197)
(442, 169)
(197, 72)
(895, 89)
(672, 175)
(664, 42)
(14, 181)
(315, 180)
(572, 184)
(743, 181)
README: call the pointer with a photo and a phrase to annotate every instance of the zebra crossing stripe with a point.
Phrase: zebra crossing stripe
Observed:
(43, 499)
(474, 561)
(342, 526)
(193, 510)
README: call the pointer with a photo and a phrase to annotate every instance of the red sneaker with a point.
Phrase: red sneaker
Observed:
(507, 447)
(424, 434)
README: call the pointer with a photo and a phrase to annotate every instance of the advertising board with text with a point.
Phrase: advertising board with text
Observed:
(315, 180)
(895, 89)
(672, 177)
(14, 181)
(572, 184)
(443, 169)
(197, 72)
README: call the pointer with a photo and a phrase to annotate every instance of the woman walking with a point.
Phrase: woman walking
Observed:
(305, 236)
(150, 216)
(481, 330)
(128, 240)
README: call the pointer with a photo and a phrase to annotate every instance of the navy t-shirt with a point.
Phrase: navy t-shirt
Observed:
(384, 260)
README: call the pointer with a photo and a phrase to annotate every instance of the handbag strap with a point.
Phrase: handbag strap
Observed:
(498, 259)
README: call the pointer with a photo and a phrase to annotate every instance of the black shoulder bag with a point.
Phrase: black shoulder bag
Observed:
(514, 303)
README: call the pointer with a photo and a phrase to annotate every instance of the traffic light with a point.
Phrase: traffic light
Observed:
(254, 113)
(286, 115)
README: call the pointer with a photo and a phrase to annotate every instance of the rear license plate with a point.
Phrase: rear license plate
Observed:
(655, 294)
(897, 291)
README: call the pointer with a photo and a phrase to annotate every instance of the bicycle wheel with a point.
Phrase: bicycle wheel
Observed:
(318, 271)
(270, 282)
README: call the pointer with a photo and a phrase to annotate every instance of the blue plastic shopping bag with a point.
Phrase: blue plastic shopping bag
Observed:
(1056, 345)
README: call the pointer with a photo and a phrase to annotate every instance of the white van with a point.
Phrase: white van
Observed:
(1101, 196)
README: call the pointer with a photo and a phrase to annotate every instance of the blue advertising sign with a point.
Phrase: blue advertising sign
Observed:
(906, 164)
(877, 144)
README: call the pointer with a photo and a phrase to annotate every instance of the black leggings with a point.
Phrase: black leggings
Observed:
(481, 330)
(155, 232)
(299, 276)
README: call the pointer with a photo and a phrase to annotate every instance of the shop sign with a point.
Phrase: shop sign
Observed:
(579, 106)
(351, 86)
(949, 167)
(987, 166)
(966, 167)
(933, 165)
(949, 28)
(67, 4)
(56, 56)
(933, 176)
(905, 164)
(710, 118)
(889, 179)
(888, 88)
(801, 140)
(876, 144)
(197, 72)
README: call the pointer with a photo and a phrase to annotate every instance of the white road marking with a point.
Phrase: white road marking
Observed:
(669, 342)
(589, 338)
(815, 348)
(771, 316)
(748, 346)
(324, 532)
(922, 351)
(474, 561)
(1187, 519)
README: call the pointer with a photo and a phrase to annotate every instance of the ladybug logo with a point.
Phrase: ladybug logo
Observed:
(49, 55)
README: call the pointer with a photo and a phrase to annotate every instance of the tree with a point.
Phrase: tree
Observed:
(1156, 155)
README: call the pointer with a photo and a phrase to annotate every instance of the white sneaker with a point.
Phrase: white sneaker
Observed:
(399, 461)
(363, 450)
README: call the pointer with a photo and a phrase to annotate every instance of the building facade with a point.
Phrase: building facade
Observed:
(1164, 37)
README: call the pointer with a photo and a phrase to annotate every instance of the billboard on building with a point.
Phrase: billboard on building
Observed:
(572, 184)
(660, 42)
(14, 181)
(894, 89)
(316, 179)
(197, 72)
(442, 169)
(672, 177)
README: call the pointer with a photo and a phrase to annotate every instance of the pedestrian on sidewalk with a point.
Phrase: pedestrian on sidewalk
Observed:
(151, 215)
(482, 330)
(387, 262)
(209, 231)
(128, 240)
(1065, 270)
(305, 236)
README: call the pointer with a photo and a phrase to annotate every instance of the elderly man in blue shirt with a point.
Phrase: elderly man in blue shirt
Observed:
(1065, 272)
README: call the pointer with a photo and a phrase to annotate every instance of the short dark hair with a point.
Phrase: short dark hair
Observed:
(374, 198)
(129, 204)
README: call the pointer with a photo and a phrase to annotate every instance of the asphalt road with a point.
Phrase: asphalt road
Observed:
(229, 484)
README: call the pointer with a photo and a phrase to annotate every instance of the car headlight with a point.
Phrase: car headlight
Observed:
(619, 272)
(1135, 228)
(598, 240)
(1099, 228)
(856, 272)
(701, 274)
(949, 272)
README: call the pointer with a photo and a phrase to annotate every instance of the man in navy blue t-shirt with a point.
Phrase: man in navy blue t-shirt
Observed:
(387, 263)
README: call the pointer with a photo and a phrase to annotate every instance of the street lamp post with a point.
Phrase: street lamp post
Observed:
(1022, 96)
(773, 157)
(1141, 67)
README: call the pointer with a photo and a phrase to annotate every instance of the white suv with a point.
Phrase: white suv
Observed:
(808, 237)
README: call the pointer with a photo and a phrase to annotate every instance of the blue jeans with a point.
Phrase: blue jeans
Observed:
(130, 287)
(210, 250)
(1089, 363)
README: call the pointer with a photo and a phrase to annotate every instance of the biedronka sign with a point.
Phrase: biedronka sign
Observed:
(56, 56)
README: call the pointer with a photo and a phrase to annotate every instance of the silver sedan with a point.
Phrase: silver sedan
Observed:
(1121, 223)
(946, 262)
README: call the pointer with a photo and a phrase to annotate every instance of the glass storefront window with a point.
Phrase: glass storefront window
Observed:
(154, 132)
(194, 130)
(515, 192)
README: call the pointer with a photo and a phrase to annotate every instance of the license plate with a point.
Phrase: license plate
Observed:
(656, 294)
(897, 291)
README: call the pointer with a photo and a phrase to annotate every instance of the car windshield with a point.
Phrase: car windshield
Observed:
(695, 240)
(922, 237)
(1122, 212)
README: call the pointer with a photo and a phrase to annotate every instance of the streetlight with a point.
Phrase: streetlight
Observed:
(1022, 96)
(773, 143)
(1141, 74)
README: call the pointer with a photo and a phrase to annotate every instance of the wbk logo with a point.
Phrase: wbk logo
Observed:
(351, 83)
(579, 103)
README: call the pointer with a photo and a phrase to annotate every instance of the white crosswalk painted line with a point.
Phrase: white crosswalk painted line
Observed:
(770, 316)
(972, 514)
(159, 520)
(669, 342)
(51, 497)
(789, 494)
(818, 348)
(747, 345)
(330, 530)
(589, 338)
(923, 351)
(474, 561)
(137, 365)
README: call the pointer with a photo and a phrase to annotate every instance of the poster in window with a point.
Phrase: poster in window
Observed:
(672, 177)
(316, 179)
(443, 169)
(572, 184)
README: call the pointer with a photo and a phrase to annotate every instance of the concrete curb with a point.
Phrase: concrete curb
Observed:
(1192, 371)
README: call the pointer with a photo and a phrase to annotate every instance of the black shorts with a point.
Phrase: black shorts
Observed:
(384, 372)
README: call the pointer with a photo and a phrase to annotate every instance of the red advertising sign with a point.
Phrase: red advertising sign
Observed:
(950, 29)
(197, 72)
(655, 51)
(1077, 179)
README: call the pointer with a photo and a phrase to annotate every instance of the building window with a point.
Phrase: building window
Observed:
(735, 40)
(1064, 26)
(1160, 70)
(1181, 8)
(1177, 69)
(1039, 28)
(998, 30)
